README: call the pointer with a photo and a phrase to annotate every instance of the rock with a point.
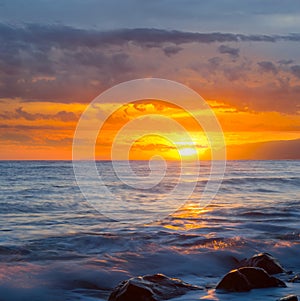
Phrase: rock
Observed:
(296, 278)
(150, 288)
(234, 281)
(289, 298)
(247, 278)
(264, 261)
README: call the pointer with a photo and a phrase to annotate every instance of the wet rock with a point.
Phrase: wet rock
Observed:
(264, 261)
(289, 298)
(296, 279)
(150, 288)
(247, 278)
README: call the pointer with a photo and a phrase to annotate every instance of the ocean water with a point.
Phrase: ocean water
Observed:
(54, 245)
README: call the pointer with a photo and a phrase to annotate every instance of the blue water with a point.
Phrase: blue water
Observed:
(54, 245)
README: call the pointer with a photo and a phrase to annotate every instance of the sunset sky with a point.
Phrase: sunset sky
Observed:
(242, 57)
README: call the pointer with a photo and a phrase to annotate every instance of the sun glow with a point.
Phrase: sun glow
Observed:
(49, 134)
(188, 152)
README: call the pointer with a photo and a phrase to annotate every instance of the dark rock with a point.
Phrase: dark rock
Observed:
(289, 298)
(247, 278)
(264, 261)
(150, 288)
(234, 281)
(296, 278)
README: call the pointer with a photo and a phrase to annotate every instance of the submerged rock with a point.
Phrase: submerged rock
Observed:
(264, 261)
(289, 298)
(247, 278)
(150, 288)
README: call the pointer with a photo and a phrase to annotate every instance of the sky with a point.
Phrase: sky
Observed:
(241, 56)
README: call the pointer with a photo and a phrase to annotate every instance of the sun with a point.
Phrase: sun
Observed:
(188, 152)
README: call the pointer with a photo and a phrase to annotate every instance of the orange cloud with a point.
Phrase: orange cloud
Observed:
(158, 144)
(49, 135)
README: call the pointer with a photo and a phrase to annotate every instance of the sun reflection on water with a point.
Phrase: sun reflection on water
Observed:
(188, 218)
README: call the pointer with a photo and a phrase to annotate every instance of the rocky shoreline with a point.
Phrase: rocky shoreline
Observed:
(252, 273)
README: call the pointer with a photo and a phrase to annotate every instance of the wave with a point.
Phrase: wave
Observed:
(55, 246)
(81, 278)
(259, 180)
(266, 214)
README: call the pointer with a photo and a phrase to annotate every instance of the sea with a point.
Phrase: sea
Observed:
(55, 244)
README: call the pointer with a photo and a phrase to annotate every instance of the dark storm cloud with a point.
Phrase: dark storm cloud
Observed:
(233, 52)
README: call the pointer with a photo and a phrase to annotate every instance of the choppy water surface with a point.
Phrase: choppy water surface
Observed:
(55, 246)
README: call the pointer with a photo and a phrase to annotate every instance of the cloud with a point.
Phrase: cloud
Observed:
(64, 141)
(65, 116)
(266, 66)
(48, 36)
(285, 62)
(35, 127)
(21, 113)
(215, 61)
(233, 52)
(171, 50)
(250, 15)
(57, 63)
(272, 150)
(20, 138)
(153, 146)
(296, 71)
